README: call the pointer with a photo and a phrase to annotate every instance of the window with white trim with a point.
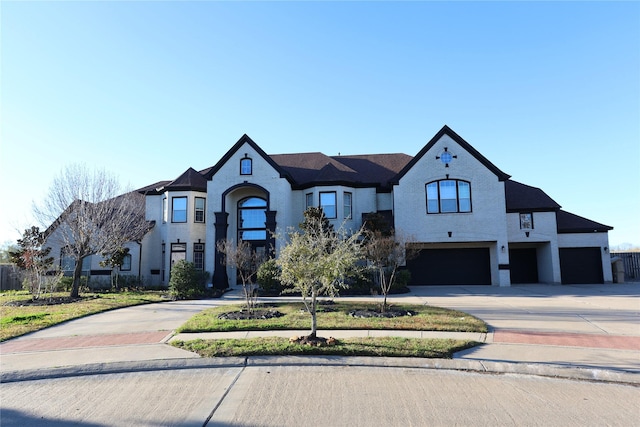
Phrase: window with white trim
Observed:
(199, 209)
(198, 256)
(346, 205)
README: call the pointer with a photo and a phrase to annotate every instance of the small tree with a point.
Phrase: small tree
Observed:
(33, 258)
(316, 260)
(246, 260)
(114, 260)
(385, 254)
(185, 281)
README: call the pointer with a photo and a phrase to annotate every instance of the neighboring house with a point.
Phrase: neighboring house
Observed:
(471, 222)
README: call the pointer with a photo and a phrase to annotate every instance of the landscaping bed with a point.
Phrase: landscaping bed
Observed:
(336, 316)
(378, 347)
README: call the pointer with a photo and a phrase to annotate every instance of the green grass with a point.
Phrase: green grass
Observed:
(427, 318)
(380, 347)
(19, 320)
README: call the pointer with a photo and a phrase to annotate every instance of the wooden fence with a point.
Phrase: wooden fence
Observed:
(9, 280)
(631, 262)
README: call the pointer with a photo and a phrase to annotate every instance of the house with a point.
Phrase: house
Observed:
(472, 223)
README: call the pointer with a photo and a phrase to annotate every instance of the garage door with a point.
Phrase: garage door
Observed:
(524, 265)
(467, 266)
(580, 265)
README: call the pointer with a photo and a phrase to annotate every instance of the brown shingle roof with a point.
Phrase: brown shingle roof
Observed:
(521, 197)
(308, 169)
(190, 180)
(571, 223)
(152, 188)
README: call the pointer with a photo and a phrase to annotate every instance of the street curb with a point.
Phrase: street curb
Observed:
(477, 366)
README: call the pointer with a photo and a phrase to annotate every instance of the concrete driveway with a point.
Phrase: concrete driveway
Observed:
(592, 326)
(116, 369)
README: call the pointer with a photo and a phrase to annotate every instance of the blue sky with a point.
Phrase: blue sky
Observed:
(547, 91)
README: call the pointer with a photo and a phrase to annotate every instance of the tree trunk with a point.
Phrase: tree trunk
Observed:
(314, 323)
(77, 274)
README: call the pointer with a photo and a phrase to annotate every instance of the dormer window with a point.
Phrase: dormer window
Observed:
(246, 166)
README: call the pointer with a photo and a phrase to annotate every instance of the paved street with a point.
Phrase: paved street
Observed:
(316, 395)
(555, 356)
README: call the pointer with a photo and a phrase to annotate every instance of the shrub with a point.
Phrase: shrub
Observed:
(403, 277)
(66, 283)
(269, 278)
(185, 281)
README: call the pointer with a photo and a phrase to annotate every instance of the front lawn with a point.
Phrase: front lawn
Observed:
(18, 317)
(336, 316)
(379, 347)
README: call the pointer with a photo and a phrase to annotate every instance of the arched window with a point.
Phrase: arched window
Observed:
(252, 217)
(246, 166)
(448, 196)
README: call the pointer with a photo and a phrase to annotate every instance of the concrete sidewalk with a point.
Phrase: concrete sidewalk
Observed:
(587, 332)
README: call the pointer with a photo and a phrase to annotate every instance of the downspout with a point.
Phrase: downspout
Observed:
(139, 262)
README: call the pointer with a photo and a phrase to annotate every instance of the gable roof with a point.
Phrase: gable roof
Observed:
(571, 223)
(209, 172)
(521, 197)
(446, 130)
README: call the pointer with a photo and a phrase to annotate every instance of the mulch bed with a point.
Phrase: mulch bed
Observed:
(313, 341)
(374, 313)
(246, 315)
(43, 302)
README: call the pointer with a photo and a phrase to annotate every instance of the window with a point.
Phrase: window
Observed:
(252, 217)
(165, 213)
(347, 205)
(198, 256)
(246, 166)
(199, 209)
(178, 252)
(126, 263)
(309, 200)
(328, 204)
(67, 260)
(448, 196)
(179, 209)
(526, 221)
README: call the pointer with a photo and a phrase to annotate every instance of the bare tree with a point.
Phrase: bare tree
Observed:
(90, 214)
(244, 258)
(316, 260)
(386, 252)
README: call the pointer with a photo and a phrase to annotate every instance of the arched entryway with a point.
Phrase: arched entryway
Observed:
(245, 216)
